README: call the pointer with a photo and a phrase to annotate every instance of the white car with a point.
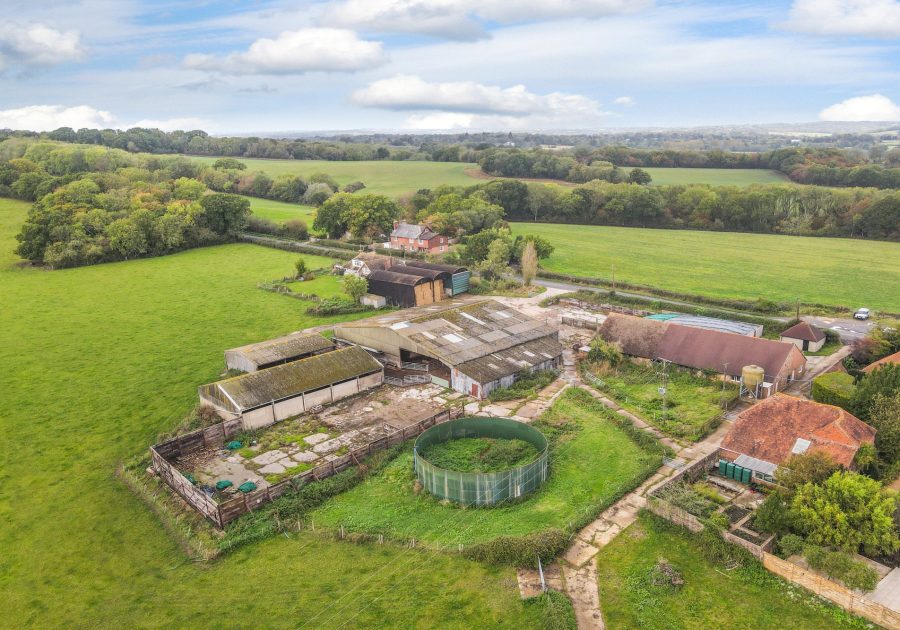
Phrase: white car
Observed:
(862, 313)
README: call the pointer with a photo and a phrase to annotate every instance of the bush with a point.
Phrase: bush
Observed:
(352, 187)
(527, 385)
(261, 226)
(337, 306)
(834, 388)
(841, 566)
(295, 229)
(520, 551)
(790, 545)
(558, 612)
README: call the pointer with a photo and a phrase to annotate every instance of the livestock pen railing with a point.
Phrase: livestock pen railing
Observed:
(222, 513)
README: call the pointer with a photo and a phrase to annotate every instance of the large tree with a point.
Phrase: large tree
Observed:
(848, 511)
(226, 214)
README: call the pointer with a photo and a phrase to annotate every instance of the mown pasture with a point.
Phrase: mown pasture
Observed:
(279, 212)
(715, 176)
(380, 177)
(832, 271)
(101, 360)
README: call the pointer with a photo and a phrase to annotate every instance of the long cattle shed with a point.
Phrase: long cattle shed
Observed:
(266, 354)
(268, 396)
(483, 344)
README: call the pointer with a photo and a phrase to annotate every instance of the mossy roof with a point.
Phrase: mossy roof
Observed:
(249, 391)
(283, 348)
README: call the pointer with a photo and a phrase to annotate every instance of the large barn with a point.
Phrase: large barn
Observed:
(459, 276)
(266, 354)
(703, 349)
(401, 289)
(268, 396)
(480, 344)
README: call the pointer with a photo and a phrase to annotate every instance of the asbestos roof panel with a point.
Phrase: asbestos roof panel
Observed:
(511, 360)
(283, 348)
(758, 465)
(249, 391)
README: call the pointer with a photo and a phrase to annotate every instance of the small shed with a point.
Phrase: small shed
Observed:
(266, 354)
(401, 289)
(375, 301)
(805, 336)
(439, 279)
(268, 396)
(459, 276)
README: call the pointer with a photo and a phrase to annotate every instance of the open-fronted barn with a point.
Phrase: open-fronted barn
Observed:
(480, 344)
(267, 396)
(438, 279)
(266, 354)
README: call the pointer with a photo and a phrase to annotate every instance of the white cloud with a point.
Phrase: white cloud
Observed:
(38, 44)
(625, 101)
(466, 104)
(50, 117)
(463, 19)
(867, 18)
(296, 52)
(875, 107)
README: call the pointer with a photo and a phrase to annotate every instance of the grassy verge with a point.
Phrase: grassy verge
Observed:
(593, 463)
(526, 386)
(712, 595)
(693, 404)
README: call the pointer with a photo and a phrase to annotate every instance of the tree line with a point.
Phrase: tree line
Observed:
(818, 166)
(769, 208)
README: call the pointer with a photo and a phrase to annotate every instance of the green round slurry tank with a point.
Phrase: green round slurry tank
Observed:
(482, 488)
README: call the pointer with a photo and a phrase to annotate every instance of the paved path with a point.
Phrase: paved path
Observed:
(888, 592)
(579, 563)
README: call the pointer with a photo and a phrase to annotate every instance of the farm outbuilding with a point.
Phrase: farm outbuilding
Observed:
(710, 323)
(805, 336)
(266, 354)
(459, 276)
(438, 279)
(268, 396)
(765, 435)
(479, 345)
(401, 289)
(704, 349)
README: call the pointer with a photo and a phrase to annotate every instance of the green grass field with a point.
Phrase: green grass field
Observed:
(280, 212)
(831, 271)
(101, 359)
(716, 176)
(587, 470)
(381, 177)
(327, 286)
(712, 596)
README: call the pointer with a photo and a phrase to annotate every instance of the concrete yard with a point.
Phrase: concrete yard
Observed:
(298, 444)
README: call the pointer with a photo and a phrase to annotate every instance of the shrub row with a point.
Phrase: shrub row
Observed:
(520, 550)
(292, 246)
(337, 306)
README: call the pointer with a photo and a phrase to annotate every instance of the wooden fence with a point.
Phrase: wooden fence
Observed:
(843, 597)
(216, 435)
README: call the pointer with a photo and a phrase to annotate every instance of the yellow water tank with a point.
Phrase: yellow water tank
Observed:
(752, 376)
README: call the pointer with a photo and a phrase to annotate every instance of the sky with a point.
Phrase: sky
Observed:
(239, 66)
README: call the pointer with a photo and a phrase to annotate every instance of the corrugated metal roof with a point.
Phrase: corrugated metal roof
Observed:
(283, 348)
(710, 323)
(476, 328)
(249, 391)
(422, 273)
(502, 363)
(757, 465)
(452, 269)
(397, 278)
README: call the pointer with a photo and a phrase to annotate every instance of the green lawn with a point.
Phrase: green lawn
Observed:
(588, 469)
(280, 212)
(834, 271)
(693, 404)
(716, 176)
(326, 286)
(100, 360)
(381, 177)
(712, 596)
